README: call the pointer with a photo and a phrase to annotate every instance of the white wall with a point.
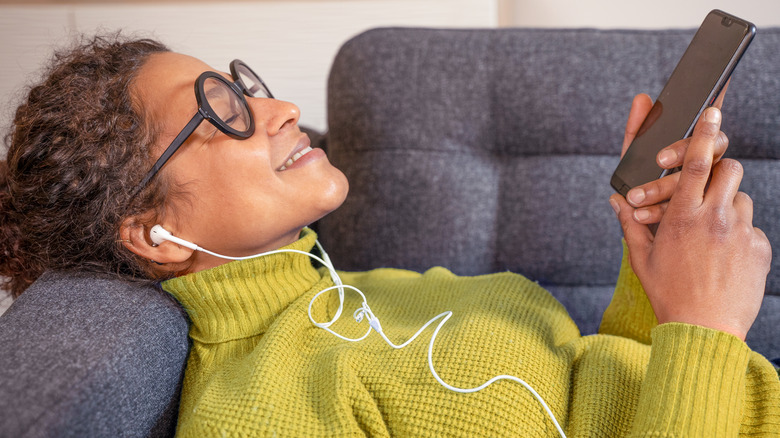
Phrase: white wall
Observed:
(291, 44)
(631, 14)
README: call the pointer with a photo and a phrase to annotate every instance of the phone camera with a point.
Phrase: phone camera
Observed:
(727, 21)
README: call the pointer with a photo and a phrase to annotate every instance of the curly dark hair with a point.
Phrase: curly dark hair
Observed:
(78, 145)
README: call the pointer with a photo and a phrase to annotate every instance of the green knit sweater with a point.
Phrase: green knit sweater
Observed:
(258, 366)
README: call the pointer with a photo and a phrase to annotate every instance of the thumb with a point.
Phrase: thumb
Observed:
(639, 238)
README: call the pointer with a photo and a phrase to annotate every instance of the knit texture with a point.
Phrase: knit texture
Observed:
(259, 367)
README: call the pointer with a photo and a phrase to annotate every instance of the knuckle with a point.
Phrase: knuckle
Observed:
(698, 167)
(744, 199)
(624, 220)
(679, 226)
(731, 167)
(755, 243)
(681, 146)
(719, 224)
(762, 248)
(708, 129)
(762, 240)
(661, 188)
(722, 141)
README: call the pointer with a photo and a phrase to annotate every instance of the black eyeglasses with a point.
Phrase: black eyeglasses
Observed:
(222, 103)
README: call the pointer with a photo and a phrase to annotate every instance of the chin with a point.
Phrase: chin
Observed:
(337, 189)
(333, 196)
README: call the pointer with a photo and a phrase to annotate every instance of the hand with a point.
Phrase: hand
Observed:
(650, 199)
(707, 264)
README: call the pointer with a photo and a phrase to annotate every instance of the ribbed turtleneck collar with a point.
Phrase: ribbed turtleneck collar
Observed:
(242, 298)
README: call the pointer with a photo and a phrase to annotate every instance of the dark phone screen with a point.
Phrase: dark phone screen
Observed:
(693, 85)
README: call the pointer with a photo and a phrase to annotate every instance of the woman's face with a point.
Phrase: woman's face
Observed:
(240, 198)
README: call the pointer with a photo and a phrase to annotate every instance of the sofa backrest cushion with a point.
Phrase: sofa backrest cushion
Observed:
(491, 149)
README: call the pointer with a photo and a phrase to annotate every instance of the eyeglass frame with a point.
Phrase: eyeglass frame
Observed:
(205, 112)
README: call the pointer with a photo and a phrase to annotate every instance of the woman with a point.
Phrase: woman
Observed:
(165, 184)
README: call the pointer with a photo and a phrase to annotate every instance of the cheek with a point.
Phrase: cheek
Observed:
(245, 175)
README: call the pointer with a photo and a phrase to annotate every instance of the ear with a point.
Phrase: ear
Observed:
(135, 236)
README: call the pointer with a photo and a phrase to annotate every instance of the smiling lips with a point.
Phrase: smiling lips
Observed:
(295, 158)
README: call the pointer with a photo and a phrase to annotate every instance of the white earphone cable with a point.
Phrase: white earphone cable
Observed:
(364, 312)
(373, 321)
(325, 261)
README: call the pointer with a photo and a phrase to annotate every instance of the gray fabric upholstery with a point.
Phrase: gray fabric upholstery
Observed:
(490, 150)
(85, 356)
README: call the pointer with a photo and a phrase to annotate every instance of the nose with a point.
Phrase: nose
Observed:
(274, 115)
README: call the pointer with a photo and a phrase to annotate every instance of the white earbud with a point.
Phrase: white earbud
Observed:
(160, 235)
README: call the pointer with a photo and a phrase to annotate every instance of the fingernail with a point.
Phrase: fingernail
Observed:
(667, 157)
(641, 214)
(712, 115)
(615, 205)
(636, 196)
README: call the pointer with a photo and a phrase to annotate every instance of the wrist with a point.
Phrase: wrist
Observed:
(719, 325)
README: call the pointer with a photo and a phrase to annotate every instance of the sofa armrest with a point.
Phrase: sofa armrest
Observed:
(82, 355)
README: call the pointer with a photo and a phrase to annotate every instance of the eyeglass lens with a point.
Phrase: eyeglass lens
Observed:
(254, 86)
(226, 104)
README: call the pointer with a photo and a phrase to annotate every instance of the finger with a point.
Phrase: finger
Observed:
(719, 100)
(697, 164)
(673, 155)
(744, 206)
(638, 236)
(651, 214)
(724, 184)
(654, 192)
(640, 107)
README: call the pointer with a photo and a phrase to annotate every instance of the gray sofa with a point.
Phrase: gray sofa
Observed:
(478, 150)
(491, 150)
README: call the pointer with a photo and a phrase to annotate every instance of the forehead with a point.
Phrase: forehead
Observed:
(164, 85)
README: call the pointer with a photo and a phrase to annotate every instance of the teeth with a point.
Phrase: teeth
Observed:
(295, 158)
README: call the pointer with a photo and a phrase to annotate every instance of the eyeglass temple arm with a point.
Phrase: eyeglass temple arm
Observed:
(193, 124)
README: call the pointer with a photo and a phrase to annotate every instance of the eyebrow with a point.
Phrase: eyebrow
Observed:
(216, 91)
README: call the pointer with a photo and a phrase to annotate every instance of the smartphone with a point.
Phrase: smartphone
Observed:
(695, 84)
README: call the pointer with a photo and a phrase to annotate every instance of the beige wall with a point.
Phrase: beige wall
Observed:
(292, 43)
(289, 43)
(629, 13)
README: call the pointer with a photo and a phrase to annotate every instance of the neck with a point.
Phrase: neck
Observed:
(201, 261)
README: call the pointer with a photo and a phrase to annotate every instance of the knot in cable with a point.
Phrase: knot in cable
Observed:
(365, 312)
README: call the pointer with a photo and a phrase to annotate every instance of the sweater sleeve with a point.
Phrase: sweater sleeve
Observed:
(629, 314)
(703, 382)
